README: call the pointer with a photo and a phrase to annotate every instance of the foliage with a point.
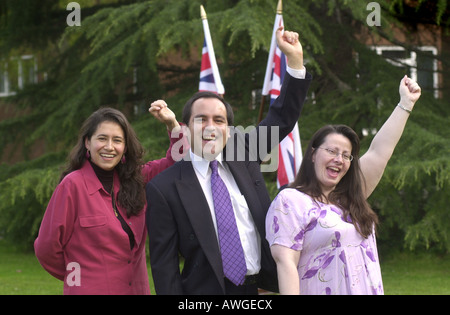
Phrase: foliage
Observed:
(23, 198)
(95, 65)
(428, 11)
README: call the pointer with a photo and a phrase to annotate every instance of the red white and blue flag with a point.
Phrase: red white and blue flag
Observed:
(289, 150)
(209, 73)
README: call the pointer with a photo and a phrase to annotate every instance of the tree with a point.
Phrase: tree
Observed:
(122, 56)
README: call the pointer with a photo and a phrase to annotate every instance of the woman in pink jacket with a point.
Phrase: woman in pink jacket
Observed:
(93, 232)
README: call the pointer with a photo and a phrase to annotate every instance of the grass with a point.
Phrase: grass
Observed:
(416, 274)
(403, 274)
(21, 274)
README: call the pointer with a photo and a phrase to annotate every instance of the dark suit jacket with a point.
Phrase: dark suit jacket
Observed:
(178, 216)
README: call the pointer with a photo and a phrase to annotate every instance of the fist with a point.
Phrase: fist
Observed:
(162, 112)
(290, 45)
(409, 90)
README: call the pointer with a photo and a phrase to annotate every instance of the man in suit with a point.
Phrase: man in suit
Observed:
(182, 214)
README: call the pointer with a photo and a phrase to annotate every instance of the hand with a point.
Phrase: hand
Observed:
(409, 92)
(291, 47)
(162, 112)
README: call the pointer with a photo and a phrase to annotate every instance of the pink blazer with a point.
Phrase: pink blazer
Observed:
(82, 243)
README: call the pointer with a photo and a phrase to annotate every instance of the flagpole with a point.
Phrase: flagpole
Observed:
(264, 91)
(289, 149)
(218, 81)
(202, 12)
(261, 108)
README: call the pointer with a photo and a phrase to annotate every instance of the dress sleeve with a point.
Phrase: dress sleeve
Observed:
(288, 219)
(179, 146)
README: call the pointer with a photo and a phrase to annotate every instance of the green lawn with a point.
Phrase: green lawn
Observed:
(404, 273)
(21, 273)
(416, 274)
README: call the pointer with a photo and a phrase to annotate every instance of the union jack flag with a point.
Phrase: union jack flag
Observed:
(209, 73)
(289, 150)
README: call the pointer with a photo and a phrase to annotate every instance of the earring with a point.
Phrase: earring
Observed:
(123, 160)
(88, 154)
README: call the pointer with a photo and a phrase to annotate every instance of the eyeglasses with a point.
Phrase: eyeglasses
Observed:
(335, 153)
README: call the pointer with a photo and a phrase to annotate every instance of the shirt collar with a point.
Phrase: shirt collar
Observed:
(93, 184)
(201, 165)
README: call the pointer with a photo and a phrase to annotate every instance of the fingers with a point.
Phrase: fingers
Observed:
(157, 106)
(412, 85)
(161, 111)
(291, 37)
(404, 79)
(415, 88)
(288, 36)
(280, 32)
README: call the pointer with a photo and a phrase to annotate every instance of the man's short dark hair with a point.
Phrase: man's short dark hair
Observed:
(187, 110)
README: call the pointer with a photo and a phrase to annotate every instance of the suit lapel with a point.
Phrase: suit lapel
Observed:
(241, 173)
(197, 209)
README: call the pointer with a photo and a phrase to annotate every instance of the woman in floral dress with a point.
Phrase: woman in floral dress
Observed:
(321, 229)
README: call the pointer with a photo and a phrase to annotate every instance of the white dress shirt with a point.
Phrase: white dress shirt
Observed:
(248, 233)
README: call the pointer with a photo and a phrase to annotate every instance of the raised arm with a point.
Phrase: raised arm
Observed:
(285, 111)
(383, 144)
(178, 142)
(164, 114)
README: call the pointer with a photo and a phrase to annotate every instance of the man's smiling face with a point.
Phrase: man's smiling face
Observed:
(208, 126)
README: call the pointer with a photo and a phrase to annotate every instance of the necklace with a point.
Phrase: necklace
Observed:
(124, 225)
(114, 202)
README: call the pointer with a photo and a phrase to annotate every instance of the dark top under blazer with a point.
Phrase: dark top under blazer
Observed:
(179, 220)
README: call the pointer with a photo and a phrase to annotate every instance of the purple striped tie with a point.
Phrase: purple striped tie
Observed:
(233, 260)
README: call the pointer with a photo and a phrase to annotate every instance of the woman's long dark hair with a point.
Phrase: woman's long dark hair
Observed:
(348, 193)
(131, 195)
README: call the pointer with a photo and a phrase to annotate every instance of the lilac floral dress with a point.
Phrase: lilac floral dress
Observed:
(335, 258)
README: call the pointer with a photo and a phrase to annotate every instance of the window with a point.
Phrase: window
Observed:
(421, 65)
(16, 73)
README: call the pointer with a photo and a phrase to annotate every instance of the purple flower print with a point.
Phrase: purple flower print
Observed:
(327, 262)
(336, 243)
(369, 252)
(342, 257)
(299, 236)
(310, 273)
(312, 211)
(328, 291)
(313, 271)
(336, 210)
(311, 225)
(296, 247)
(324, 261)
(276, 226)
